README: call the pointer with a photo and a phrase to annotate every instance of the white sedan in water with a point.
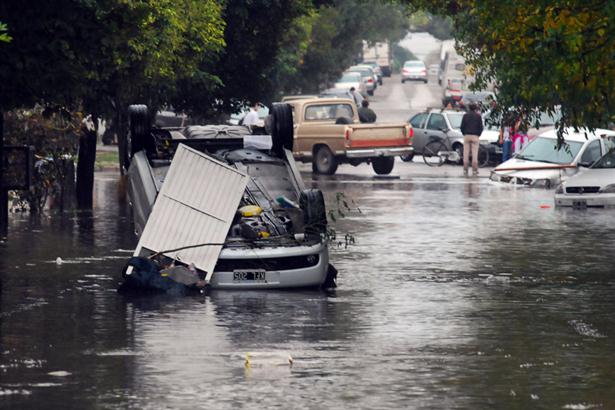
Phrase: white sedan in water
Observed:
(594, 187)
(541, 165)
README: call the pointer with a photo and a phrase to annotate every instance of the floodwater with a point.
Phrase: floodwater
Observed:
(458, 294)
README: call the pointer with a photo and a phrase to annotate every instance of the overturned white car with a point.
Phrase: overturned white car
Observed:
(218, 206)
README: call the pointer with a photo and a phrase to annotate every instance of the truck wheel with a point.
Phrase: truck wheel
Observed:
(383, 165)
(282, 128)
(407, 158)
(324, 161)
(312, 202)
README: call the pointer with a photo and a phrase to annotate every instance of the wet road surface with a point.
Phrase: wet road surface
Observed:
(457, 294)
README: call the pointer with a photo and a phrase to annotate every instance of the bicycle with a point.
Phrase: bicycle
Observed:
(435, 153)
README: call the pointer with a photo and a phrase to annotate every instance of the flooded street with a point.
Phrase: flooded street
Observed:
(458, 293)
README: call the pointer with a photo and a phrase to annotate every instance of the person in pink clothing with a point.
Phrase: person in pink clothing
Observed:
(519, 137)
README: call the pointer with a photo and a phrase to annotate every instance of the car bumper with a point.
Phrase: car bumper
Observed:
(379, 152)
(585, 200)
(296, 277)
(418, 77)
(545, 183)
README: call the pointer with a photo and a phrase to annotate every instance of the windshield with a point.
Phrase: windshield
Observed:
(545, 150)
(413, 64)
(350, 78)
(455, 119)
(607, 161)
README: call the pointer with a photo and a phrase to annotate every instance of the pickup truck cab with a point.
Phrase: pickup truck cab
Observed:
(328, 132)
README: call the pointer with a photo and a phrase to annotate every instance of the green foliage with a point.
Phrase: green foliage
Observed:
(541, 54)
(54, 134)
(4, 35)
(438, 26)
(400, 55)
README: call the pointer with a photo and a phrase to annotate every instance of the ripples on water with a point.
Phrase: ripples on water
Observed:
(458, 294)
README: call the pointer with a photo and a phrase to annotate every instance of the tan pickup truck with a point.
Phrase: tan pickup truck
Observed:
(328, 132)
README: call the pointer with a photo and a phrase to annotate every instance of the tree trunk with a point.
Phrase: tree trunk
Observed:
(85, 168)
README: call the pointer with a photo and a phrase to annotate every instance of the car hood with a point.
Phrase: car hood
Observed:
(593, 177)
(526, 174)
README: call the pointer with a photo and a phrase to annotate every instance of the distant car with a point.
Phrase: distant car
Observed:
(377, 70)
(414, 70)
(336, 93)
(368, 77)
(349, 80)
(453, 90)
(540, 164)
(237, 119)
(482, 98)
(594, 187)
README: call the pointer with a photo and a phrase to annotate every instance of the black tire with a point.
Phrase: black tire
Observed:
(383, 165)
(403, 81)
(483, 156)
(458, 148)
(139, 122)
(425, 81)
(312, 202)
(431, 154)
(282, 128)
(324, 161)
(407, 158)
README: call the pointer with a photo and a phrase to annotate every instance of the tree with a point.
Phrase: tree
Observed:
(541, 54)
(4, 35)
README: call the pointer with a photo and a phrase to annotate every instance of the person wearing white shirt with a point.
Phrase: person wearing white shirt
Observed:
(251, 118)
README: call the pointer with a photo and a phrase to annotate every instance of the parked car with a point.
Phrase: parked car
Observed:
(540, 164)
(367, 76)
(414, 70)
(336, 93)
(481, 98)
(453, 91)
(328, 132)
(351, 79)
(594, 187)
(445, 125)
(377, 70)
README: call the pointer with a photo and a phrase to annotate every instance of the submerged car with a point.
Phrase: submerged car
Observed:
(217, 206)
(594, 187)
(541, 164)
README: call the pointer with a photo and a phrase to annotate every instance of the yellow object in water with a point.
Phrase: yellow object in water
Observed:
(250, 210)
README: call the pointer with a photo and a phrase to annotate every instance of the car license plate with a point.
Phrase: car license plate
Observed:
(257, 275)
(579, 204)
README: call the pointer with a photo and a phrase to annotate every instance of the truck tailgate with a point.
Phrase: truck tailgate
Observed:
(381, 135)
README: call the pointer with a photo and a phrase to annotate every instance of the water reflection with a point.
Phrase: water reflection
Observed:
(458, 294)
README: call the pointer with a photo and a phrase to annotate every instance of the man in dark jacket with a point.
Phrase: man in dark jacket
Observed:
(366, 114)
(471, 128)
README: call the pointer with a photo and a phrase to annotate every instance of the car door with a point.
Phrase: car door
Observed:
(436, 128)
(419, 139)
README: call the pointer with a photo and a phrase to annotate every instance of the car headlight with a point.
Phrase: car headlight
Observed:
(609, 189)
(541, 183)
(559, 189)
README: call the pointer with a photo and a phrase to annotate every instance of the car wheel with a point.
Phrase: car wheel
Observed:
(324, 161)
(282, 128)
(312, 202)
(407, 158)
(383, 165)
(425, 81)
(136, 138)
(403, 81)
(459, 150)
